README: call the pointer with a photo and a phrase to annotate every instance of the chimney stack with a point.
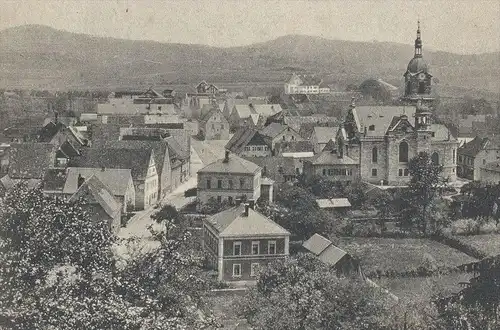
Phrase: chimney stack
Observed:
(226, 157)
(80, 181)
(245, 213)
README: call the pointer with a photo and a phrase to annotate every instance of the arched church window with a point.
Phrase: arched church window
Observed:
(421, 87)
(374, 155)
(435, 158)
(403, 152)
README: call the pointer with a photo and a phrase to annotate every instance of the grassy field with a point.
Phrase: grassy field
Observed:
(387, 254)
(423, 289)
(488, 243)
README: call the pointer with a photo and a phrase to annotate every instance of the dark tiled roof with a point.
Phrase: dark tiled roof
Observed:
(380, 117)
(332, 158)
(240, 139)
(232, 223)
(159, 147)
(234, 165)
(46, 133)
(136, 160)
(93, 191)
(30, 160)
(325, 134)
(473, 147)
(54, 179)
(117, 180)
(67, 150)
(275, 167)
(294, 146)
(273, 129)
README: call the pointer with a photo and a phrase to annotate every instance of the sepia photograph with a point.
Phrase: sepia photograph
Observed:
(249, 165)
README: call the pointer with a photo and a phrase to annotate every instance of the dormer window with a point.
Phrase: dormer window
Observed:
(371, 127)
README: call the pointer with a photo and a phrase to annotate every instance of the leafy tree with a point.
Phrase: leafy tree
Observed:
(303, 293)
(422, 200)
(296, 210)
(60, 270)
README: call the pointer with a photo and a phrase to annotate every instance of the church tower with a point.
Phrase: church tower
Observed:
(417, 76)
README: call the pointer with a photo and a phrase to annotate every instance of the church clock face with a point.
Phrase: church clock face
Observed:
(421, 76)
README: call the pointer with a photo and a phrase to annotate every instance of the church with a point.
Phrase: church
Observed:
(375, 143)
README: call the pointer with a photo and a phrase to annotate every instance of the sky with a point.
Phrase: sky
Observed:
(459, 26)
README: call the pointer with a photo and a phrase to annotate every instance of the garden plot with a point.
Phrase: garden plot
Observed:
(387, 256)
(489, 243)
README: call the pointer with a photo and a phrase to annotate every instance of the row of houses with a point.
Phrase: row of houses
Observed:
(138, 166)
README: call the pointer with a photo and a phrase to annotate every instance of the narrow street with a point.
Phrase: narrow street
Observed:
(138, 224)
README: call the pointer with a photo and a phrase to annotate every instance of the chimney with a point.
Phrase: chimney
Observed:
(251, 204)
(80, 181)
(226, 157)
(245, 213)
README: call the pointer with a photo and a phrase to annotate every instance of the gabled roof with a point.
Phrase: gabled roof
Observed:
(210, 113)
(296, 122)
(160, 149)
(330, 146)
(243, 110)
(324, 249)
(242, 137)
(273, 129)
(294, 146)
(473, 147)
(332, 158)
(116, 180)
(380, 117)
(333, 203)
(47, 132)
(136, 160)
(234, 165)
(325, 134)
(441, 133)
(30, 160)
(67, 150)
(267, 109)
(93, 191)
(274, 167)
(232, 223)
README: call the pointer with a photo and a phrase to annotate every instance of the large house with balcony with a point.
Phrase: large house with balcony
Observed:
(229, 179)
(240, 241)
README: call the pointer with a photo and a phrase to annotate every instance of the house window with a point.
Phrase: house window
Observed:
(242, 183)
(403, 152)
(400, 172)
(283, 137)
(271, 247)
(256, 247)
(219, 199)
(222, 126)
(254, 269)
(293, 137)
(230, 184)
(236, 270)
(371, 127)
(236, 248)
(209, 184)
(454, 156)
(330, 172)
(219, 184)
(435, 158)
(374, 172)
(484, 161)
(324, 171)
(374, 155)
(247, 148)
(406, 172)
(230, 200)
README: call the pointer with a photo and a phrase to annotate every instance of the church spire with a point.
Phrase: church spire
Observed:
(418, 42)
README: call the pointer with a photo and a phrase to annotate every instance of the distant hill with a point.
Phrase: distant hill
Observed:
(34, 56)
